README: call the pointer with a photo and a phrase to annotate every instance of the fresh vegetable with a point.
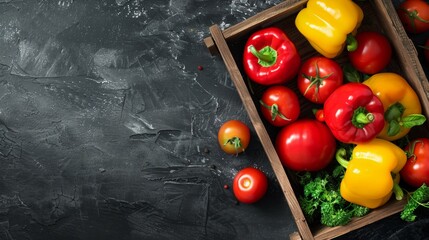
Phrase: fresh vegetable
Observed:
(416, 170)
(401, 104)
(326, 24)
(250, 185)
(372, 174)
(270, 57)
(322, 199)
(420, 197)
(279, 105)
(318, 78)
(233, 137)
(305, 145)
(373, 52)
(414, 15)
(353, 113)
(319, 115)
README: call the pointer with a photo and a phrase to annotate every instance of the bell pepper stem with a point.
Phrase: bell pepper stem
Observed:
(267, 56)
(397, 190)
(364, 118)
(352, 43)
(340, 157)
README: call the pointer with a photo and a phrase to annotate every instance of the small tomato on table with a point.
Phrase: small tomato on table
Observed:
(270, 57)
(234, 137)
(250, 185)
(318, 78)
(416, 170)
(279, 105)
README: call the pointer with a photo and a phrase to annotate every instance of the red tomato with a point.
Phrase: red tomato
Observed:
(250, 185)
(373, 52)
(279, 105)
(233, 137)
(305, 145)
(414, 15)
(416, 170)
(318, 78)
(319, 114)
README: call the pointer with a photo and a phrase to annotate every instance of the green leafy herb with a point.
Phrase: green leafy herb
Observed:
(420, 197)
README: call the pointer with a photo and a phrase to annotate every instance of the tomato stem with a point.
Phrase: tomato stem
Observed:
(315, 81)
(236, 142)
(274, 109)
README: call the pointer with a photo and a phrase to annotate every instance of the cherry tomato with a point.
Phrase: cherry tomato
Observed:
(373, 52)
(319, 114)
(318, 78)
(279, 105)
(234, 137)
(250, 185)
(416, 170)
(305, 145)
(414, 15)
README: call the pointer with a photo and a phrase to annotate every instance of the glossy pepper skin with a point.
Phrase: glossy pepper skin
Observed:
(326, 24)
(372, 173)
(401, 104)
(353, 113)
(270, 57)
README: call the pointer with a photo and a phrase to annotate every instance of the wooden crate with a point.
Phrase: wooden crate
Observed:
(229, 43)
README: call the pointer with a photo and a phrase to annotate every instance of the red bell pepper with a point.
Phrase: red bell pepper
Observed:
(270, 57)
(354, 114)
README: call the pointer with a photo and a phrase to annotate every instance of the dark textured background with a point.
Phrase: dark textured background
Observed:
(108, 128)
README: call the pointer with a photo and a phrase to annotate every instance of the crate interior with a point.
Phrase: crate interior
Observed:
(370, 22)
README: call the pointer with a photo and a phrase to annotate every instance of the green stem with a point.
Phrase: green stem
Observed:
(267, 56)
(236, 142)
(274, 109)
(352, 43)
(364, 118)
(397, 190)
(340, 157)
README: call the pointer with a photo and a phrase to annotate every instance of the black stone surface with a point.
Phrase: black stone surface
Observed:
(108, 126)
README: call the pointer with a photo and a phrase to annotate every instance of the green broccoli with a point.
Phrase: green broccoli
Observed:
(322, 199)
(420, 197)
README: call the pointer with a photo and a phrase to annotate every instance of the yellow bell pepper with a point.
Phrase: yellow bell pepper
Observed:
(326, 24)
(372, 174)
(401, 104)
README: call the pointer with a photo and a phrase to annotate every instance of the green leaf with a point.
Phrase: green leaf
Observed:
(393, 128)
(413, 120)
(351, 74)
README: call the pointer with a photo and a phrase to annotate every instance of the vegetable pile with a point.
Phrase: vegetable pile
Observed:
(354, 151)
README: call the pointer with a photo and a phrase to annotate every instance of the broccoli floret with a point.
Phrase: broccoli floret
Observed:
(420, 197)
